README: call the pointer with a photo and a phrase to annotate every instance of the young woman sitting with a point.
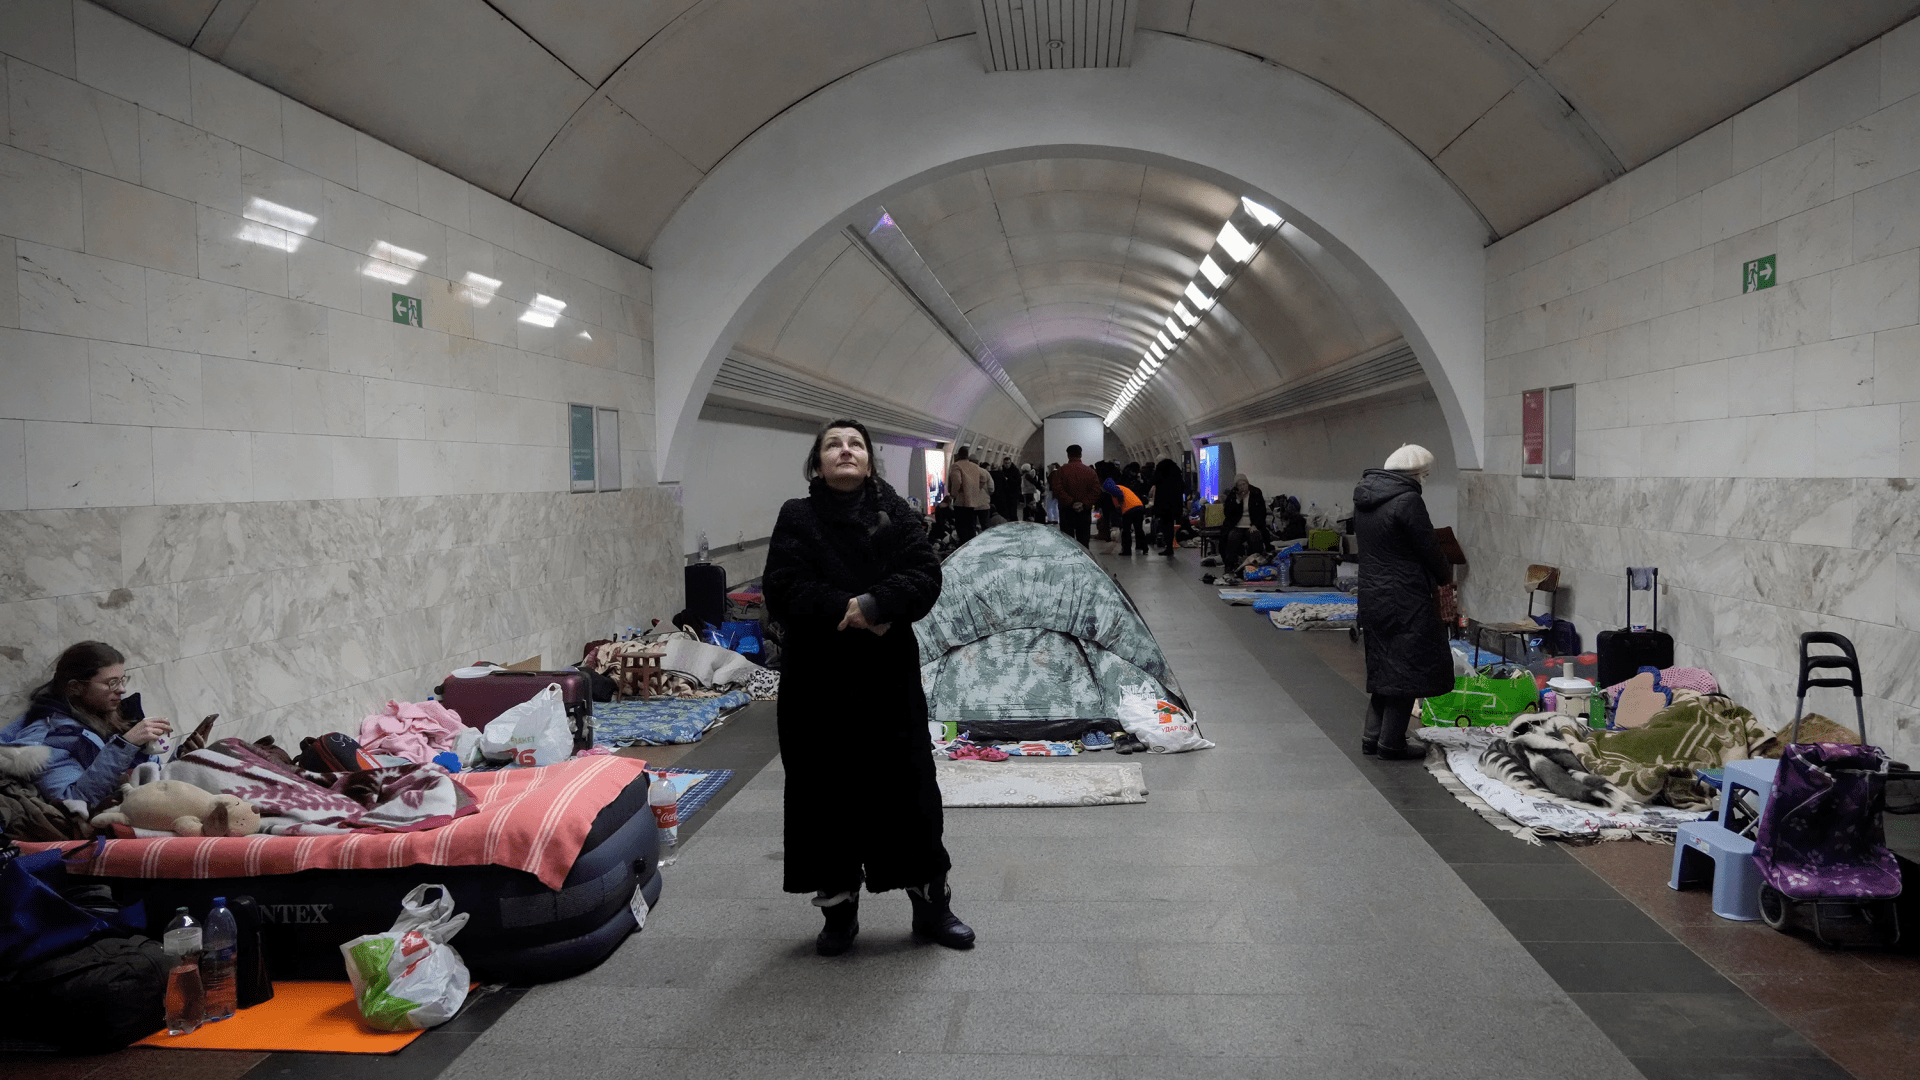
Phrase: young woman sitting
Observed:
(76, 716)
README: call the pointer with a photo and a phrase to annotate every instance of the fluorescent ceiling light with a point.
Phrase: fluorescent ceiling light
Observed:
(1235, 244)
(544, 311)
(1188, 317)
(1164, 343)
(1209, 269)
(1157, 354)
(1174, 328)
(1201, 301)
(1267, 218)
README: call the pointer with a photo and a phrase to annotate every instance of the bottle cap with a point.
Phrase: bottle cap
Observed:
(219, 901)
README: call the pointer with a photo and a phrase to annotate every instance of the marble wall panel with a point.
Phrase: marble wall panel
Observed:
(68, 121)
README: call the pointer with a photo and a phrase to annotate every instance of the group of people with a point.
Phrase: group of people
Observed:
(1125, 495)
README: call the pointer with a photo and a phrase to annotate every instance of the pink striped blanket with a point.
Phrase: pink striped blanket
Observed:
(534, 820)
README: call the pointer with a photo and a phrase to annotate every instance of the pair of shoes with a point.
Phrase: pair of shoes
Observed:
(1126, 742)
(1168, 552)
(1369, 747)
(843, 924)
(1095, 741)
(933, 917)
(960, 751)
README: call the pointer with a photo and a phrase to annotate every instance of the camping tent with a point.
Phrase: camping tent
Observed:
(1032, 640)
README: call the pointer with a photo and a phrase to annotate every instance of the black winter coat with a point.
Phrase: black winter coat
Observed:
(1400, 564)
(861, 800)
(1256, 507)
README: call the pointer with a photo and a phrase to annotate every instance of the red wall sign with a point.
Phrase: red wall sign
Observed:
(1533, 433)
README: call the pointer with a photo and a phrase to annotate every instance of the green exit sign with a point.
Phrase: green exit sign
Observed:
(406, 309)
(1757, 274)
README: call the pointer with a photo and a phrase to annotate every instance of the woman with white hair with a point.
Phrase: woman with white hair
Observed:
(1400, 564)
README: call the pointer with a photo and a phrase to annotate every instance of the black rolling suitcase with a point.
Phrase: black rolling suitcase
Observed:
(1624, 652)
(707, 593)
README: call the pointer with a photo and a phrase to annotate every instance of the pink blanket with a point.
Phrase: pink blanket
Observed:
(415, 731)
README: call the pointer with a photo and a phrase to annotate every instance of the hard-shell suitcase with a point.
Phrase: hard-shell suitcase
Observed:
(1314, 569)
(707, 593)
(481, 699)
(1624, 652)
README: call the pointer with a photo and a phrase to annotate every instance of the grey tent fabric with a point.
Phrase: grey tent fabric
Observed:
(1032, 640)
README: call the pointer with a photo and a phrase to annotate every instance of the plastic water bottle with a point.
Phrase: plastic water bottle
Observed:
(666, 813)
(186, 1002)
(703, 546)
(219, 957)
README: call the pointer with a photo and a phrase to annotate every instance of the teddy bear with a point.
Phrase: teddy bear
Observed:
(182, 809)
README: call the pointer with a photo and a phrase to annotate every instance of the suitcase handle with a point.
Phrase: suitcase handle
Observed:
(1655, 624)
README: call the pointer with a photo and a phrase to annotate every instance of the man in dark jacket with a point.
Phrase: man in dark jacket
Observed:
(1400, 564)
(1244, 523)
(1078, 488)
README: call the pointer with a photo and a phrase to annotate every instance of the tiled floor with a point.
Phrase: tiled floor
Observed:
(1280, 907)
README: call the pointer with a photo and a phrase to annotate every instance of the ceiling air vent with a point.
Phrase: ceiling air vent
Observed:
(1038, 35)
(1394, 369)
(741, 377)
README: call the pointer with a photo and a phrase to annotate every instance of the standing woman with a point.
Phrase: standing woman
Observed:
(848, 572)
(1169, 502)
(1400, 564)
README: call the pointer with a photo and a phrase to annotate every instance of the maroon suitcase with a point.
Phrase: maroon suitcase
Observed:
(481, 700)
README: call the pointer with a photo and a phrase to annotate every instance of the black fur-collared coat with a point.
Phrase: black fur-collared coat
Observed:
(861, 800)
(1400, 564)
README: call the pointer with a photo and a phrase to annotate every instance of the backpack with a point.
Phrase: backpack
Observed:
(100, 996)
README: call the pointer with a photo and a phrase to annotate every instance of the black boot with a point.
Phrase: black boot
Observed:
(933, 916)
(843, 922)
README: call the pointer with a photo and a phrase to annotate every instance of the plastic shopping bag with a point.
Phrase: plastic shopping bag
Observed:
(1163, 726)
(409, 977)
(534, 732)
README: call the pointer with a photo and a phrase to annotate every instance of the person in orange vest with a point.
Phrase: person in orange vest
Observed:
(1132, 512)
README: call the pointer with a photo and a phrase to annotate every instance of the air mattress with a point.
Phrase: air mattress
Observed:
(519, 931)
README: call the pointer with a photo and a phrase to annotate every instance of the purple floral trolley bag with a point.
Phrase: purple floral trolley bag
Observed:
(1821, 848)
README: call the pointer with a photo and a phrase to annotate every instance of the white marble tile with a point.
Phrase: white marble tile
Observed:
(1877, 148)
(188, 163)
(446, 307)
(359, 345)
(1876, 295)
(325, 275)
(424, 468)
(66, 292)
(248, 395)
(1884, 217)
(490, 217)
(1834, 374)
(1817, 240)
(1841, 92)
(286, 331)
(1730, 207)
(319, 144)
(1859, 442)
(40, 199)
(1760, 383)
(245, 253)
(289, 467)
(1766, 129)
(1896, 365)
(43, 377)
(387, 174)
(1798, 180)
(396, 410)
(201, 466)
(1910, 439)
(72, 465)
(292, 191)
(1795, 313)
(9, 283)
(366, 468)
(217, 614)
(443, 197)
(1899, 63)
(329, 403)
(62, 119)
(191, 315)
(131, 224)
(474, 365)
(1700, 392)
(235, 107)
(40, 32)
(1729, 327)
(138, 621)
(131, 62)
(449, 414)
(13, 465)
(133, 384)
(1704, 160)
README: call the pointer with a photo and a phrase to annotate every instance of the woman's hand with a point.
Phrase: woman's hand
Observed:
(144, 732)
(854, 619)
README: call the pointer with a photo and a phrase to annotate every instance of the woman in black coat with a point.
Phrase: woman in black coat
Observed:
(848, 572)
(1169, 502)
(1400, 564)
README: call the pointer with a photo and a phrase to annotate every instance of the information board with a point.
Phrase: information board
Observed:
(1533, 433)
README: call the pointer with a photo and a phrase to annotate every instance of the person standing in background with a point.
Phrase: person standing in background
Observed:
(972, 491)
(1078, 488)
(1169, 503)
(1400, 564)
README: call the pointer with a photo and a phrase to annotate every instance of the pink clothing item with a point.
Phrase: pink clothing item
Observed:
(413, 731)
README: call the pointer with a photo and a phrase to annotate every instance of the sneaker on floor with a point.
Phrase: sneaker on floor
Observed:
(1095, 741)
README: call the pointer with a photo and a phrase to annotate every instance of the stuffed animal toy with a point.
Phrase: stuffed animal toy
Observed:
(182, 809)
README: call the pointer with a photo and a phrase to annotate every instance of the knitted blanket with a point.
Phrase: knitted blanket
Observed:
(1659, 764)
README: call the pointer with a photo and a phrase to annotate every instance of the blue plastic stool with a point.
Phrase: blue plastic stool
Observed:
(1755, 775)
(1706, 849)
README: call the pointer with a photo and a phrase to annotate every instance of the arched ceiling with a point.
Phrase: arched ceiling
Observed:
(603, 115)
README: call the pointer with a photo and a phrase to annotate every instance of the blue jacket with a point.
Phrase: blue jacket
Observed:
(83, 766)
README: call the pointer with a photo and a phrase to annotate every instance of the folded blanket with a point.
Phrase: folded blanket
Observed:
(659, 721)
(402, 798)
(1534, 817)
(1659, 764)
(413, 731)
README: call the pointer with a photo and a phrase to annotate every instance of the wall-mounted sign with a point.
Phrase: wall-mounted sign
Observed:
(1533, 433)
(406, 309)
(1757, 274)
(580, 442)
(1560, 430)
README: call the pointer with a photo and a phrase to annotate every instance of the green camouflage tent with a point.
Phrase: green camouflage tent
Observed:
(1032, 640)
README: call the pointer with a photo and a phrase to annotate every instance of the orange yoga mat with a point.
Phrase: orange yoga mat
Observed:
(319, 1017)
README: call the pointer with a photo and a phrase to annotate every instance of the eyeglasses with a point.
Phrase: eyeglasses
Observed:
(112, 684)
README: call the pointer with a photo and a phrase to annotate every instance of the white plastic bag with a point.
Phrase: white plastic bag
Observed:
(1163, 726)
(534, 732)
(409, 977)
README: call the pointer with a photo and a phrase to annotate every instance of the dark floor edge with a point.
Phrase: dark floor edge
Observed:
(1336, 708)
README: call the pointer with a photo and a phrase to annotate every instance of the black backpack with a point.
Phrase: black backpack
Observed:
(100, 996)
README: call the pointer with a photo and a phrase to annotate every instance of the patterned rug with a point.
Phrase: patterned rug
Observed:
(660, 721)
(695, 786)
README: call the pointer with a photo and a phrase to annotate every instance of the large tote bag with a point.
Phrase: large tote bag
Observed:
(36, 922)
